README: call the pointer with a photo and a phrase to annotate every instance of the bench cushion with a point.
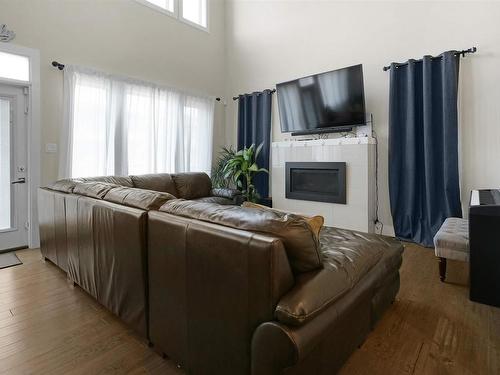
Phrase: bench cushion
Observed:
(347, 257)
(452, 239)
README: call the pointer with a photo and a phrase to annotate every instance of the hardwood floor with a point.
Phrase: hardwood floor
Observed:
(433, 327)
(49, 327)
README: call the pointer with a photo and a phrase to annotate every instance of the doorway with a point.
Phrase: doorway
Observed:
(20, 146)
(14, 223)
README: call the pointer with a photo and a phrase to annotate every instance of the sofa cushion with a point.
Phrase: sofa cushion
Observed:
(138, 198)
(315, 222)
(300, 243)
(218, 200)
(192, 185)
(116, 180)
(93, 189)
(347, 257)
(65, 186)
(158, 182)
(225, 192)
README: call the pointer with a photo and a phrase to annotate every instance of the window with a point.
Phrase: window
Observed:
(195, 11)
(192, 12)
(164, 6)
(119, 126)
(14, 67)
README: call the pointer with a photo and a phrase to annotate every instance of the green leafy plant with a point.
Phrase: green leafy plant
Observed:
(219, 179)
(241, 169)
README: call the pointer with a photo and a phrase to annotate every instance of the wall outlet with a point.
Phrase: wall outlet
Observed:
(51, 148)
(378, 227)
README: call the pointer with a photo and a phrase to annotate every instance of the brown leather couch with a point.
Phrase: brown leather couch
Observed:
(95, 229)
(220, 289)
(229, 301)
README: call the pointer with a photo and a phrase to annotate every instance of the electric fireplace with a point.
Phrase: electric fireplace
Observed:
(316, 181)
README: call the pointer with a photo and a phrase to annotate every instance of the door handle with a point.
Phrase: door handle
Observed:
(21, 180)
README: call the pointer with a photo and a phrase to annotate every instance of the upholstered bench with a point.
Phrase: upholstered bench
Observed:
(452, 242)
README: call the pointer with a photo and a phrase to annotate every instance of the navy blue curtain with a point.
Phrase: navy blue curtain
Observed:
(254, 127)
(423, 146)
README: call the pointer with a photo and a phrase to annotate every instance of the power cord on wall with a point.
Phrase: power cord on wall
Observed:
(379, 226)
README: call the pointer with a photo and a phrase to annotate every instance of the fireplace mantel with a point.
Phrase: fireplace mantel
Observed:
(327, 142)
(358, 213)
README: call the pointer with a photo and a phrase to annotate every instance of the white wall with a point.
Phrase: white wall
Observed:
(274, 41)
(121, 37)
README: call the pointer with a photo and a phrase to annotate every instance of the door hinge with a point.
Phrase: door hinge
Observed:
(26, 93)
(27, 225)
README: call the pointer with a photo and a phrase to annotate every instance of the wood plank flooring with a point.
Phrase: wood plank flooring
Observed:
(50, 327)
(433, 327)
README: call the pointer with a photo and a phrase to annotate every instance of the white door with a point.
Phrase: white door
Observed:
(14, 226)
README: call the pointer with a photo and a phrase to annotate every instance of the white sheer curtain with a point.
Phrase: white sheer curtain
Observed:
(119, 126)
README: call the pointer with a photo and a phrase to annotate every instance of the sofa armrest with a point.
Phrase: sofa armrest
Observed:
(329, 338)
(225, 193)
(273, 349)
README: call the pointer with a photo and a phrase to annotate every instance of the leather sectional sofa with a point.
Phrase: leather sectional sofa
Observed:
(95, 229)
(220, 289)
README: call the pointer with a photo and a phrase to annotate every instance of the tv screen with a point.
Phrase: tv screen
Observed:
(322, 101)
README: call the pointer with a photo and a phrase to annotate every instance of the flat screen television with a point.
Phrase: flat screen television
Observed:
(323, 102)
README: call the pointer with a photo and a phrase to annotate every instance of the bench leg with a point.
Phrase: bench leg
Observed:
(442, 269)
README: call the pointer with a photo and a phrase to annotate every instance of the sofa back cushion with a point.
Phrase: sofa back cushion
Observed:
(158, 182)
(96, 190)
(65, 186)
(301, 244)
(192, 185)
(315, 222)
(138, 198)
(115, 180)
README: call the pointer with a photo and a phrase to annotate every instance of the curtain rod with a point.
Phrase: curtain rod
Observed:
(60, 66)
(272, 91)
(462, 52)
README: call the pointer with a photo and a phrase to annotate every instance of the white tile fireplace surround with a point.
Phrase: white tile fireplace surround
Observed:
(359, 155)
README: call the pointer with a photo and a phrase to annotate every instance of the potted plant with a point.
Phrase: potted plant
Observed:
(219, 179)
(241, 168)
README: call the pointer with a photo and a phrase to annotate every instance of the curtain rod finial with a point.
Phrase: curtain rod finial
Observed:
(57, 65)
